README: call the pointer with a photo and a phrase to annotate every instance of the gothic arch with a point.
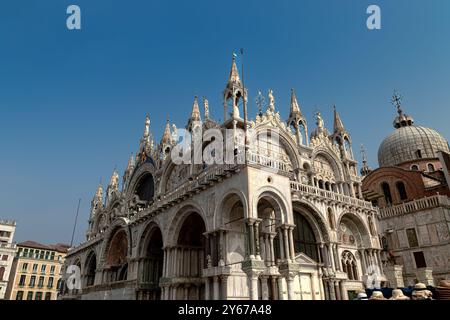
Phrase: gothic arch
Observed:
(360, 225)
(120, 224)
(146, 234)
(315, 219)
(338, 172)
(178, 219)
(286, 141)
(224, 206)
(138, 174)
(90, 267)
(276, 199)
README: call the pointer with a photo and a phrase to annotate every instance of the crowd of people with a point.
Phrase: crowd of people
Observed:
(419, 292)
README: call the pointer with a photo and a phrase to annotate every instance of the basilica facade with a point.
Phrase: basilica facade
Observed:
(285, 219)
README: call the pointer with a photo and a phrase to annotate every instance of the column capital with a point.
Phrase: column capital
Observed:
(252, 221)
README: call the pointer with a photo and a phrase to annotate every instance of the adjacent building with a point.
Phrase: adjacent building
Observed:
(284, 219)
(411, 189)
(7, 252)
(36, 271)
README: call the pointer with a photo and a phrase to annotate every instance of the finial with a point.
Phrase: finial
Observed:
(319, 120)
(260, 102)
(397, 101)
(363, 153)
(147, 126)
(271, 100)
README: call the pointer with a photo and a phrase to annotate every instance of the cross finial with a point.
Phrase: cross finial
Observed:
(397, 101)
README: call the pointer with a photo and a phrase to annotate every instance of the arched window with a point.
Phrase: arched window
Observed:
(349, 265)
(304, 239)
(145, 189)
(415, 167)
(419, 154)
(321, 184)
(387, 193)
(431, 167)
(401, 189)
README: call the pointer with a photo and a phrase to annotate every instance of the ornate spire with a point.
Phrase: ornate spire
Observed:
(234, 78)
(206, 107)
(130, 165)
(402, 120)
(338, 124)
(297, 120)
(195, 115)
(98, 197)
(167, 136)
(97, 200)
(295, 108)
(114, 181)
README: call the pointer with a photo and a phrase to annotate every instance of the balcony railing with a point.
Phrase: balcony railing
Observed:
(8, 245)
(415, 205)
(330, 195)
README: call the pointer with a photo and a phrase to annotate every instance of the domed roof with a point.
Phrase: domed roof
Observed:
(410, 143)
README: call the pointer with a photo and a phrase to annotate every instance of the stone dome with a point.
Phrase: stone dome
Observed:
(409, 143)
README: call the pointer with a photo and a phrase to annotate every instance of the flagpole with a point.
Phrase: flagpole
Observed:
(75, 224)
(245, 107)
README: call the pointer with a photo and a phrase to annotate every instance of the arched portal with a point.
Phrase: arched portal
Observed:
(304, 238)
(116, 259)
(189, 259)
(91, 267)
(151, 264)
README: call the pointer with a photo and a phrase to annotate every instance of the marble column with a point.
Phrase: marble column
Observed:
(186, 292)
(331, 255)
(337, 290)
(207, 289)
(253, 286)
(256, 237)
(216, 292)
(332, 291)
(272, 254)
(264, 288)
(252, 239)
(342, 290)
(273, 284)
(362, 258)
(280, 288)
(286, 243)
(291, 243)
(290, 287)
(224, 280)
(280, 236)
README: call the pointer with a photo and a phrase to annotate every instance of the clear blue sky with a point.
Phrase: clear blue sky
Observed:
(72, 103)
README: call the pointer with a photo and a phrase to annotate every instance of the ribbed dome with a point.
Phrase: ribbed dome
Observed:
(409, 143)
